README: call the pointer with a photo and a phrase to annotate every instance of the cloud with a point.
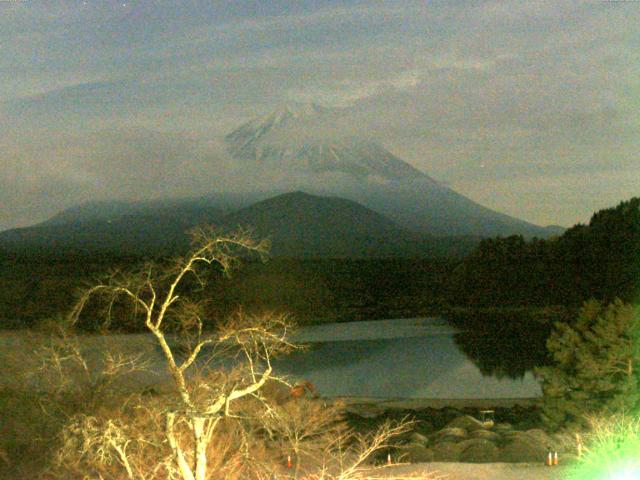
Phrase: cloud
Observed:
(45, 176)
(92, 98)
(348, 92)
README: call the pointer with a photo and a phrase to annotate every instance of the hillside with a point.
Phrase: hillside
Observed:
(599, 260)
(302, 225)
(118, 229)
(298, 224)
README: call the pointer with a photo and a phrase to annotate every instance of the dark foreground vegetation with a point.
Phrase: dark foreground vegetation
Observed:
(600, 260)
(36, 288)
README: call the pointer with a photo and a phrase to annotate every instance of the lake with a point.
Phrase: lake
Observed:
(415, 358)
(399, 358)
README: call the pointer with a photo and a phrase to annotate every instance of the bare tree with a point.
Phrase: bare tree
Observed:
(202, 403)
(219, 422)
(304, 428)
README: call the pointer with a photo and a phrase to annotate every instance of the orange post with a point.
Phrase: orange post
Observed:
(289, 462)
(555, 458)
(549, 459)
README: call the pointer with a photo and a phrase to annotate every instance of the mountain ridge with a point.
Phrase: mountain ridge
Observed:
(299, 225)
(386, 193)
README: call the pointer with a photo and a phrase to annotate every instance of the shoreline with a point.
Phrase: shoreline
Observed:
(424, 403)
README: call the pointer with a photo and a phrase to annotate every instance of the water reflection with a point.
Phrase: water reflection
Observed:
(415, 358)
(504, 352)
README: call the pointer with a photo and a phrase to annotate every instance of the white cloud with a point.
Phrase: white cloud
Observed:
(348, 92)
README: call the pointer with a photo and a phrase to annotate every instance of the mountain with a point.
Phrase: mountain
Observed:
(363, 200)
(298, 225)
(117, 227)
(554, 231)
(303, 225)
(183, 210)
(245, 140)
(291, 140)
(268, 141)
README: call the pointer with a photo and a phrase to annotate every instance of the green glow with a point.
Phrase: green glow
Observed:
(626, 474)
(608, 469)
(613, 453)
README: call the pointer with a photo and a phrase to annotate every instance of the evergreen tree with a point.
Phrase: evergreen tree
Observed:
(599, 260)
(596, 365)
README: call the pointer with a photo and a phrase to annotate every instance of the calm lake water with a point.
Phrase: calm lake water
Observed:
(418, 358)
(399, 358)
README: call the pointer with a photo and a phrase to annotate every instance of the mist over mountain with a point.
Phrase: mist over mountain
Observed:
(360, 200)
(145, 228)
(186, 211)
(302, 140)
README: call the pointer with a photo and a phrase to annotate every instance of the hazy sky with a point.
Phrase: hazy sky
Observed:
(531, 108)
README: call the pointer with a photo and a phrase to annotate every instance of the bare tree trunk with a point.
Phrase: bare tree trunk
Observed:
(183, 466)
(201, 447)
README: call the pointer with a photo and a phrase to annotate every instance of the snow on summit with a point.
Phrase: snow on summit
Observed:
(292, 137)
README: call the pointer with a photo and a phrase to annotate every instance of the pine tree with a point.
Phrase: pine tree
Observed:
(596, 365)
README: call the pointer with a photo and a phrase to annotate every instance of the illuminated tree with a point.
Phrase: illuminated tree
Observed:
(201, 403)
(219, 420)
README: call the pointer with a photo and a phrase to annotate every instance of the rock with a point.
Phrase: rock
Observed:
(415, 453)
(418, 438)
(435, 417)
(523, 448)
(503, 427)
(450, 413)
(467, 422)
(478, 450)
(446, 452)
(451, 434)
(486, 435)
(424, 427)
(508, 436)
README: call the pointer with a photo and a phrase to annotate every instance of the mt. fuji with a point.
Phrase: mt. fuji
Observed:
(286, 139)
(353, 197)
(290, 140)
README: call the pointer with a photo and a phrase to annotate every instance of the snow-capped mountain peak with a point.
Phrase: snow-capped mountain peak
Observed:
(291, 138)
(286, 116)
